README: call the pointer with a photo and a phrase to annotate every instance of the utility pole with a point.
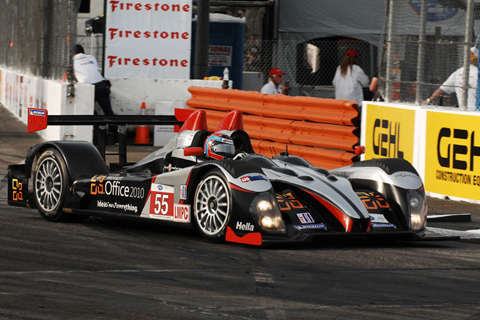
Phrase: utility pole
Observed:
(202, 39)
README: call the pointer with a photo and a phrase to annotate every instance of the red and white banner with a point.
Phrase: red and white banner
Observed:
(148, 39)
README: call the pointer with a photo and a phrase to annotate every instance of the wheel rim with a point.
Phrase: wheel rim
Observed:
(212, 205)
(48, 184)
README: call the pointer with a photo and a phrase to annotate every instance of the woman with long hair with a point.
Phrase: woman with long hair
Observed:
(350, 78)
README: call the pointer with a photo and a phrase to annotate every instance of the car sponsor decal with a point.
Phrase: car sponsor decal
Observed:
(252, 178)
(113, 186)
(182, 213)
(379, 221)
(305, 217)
(244, 226)
(311, 226)
(117, 206)
(183, 192)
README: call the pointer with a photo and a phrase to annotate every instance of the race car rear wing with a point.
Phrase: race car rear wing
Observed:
(38, 119)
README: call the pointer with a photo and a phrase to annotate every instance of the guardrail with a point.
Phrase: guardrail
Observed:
(323, 131)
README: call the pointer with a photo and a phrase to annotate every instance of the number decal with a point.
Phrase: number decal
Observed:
(288, 202)
(17, 194)
(373, 200)
(161, 203)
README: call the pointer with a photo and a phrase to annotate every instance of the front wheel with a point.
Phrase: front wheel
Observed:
(212, 206)
(50, 185)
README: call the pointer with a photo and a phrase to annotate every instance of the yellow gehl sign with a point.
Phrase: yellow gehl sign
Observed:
(389, 133)
(452, 155)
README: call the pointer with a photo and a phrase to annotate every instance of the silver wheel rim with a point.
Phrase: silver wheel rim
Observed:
(212, 205)
(48, 184)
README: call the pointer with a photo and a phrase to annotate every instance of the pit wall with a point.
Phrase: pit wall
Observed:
(442, 143)
(18, 92)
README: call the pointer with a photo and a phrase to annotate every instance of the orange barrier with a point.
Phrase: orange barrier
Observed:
(323, 131)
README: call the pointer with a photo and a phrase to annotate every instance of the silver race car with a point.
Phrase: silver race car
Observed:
(216, 183)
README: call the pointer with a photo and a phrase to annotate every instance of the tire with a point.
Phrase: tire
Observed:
(50, 185)
(212, 206)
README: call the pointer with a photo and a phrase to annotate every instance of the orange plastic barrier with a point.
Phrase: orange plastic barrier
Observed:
(323, 131)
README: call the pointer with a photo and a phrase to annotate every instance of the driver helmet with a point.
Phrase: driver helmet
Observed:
(219, 146)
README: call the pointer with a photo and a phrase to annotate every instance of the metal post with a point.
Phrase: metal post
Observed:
(421, 52)
(466, 56)
(202, 39)
(388, 95)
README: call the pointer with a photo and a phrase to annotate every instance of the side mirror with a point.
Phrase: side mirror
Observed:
(193, 151)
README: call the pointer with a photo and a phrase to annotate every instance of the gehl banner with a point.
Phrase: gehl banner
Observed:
(451, 140)
(452, 155)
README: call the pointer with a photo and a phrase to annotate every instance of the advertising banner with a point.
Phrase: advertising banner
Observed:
(148, 39)
(389, 132)
(452, 155)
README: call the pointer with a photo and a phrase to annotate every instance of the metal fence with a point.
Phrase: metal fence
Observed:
(309, 66)
(425, 41)
(37, 36)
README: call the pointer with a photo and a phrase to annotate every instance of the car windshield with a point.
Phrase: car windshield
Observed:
(261, 161)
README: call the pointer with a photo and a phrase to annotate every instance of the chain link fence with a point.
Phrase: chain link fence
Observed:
(425, 42)
(37, 36)
(309, 66)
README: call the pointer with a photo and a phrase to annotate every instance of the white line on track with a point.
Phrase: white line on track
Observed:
(468, 234)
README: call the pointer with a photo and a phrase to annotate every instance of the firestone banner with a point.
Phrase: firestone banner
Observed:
(148, 39)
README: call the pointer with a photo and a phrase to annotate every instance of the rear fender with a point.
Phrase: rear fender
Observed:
(81, 158)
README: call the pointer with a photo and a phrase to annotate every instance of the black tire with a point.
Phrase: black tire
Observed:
(50, 186)
(212, 206)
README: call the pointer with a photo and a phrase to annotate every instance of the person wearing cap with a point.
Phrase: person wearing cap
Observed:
(350, 79)
(454, 83)
(274, 85)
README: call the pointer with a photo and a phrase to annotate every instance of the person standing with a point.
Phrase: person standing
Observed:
(274, 85)
(350, 79)
(454, 83)
(85, 68)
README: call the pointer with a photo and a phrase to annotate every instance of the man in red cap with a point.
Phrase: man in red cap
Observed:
(274, 85)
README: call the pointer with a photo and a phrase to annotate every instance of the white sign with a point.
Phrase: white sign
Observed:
(220, 56)
(148, 39)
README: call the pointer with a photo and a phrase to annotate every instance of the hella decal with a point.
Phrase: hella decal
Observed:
(244, 226)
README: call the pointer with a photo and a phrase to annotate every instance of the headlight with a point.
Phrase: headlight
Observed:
(264, 208)
(418, 210)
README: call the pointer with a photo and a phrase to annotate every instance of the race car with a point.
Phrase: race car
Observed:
(216, 183)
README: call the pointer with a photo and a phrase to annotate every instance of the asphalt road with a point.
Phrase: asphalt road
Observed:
(122, 270)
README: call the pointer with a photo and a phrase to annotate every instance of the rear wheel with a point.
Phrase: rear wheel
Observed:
(212, 206)
(50, 186)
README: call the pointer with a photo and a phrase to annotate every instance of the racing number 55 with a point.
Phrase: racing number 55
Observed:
(162, 204)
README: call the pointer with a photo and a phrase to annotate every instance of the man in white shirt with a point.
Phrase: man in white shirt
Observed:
(85, 68)
(274, 85)
(454, 83)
